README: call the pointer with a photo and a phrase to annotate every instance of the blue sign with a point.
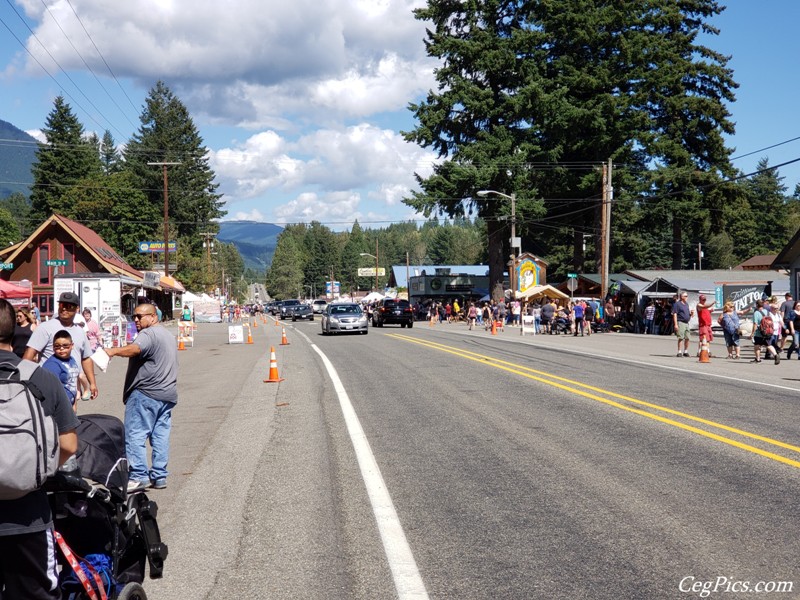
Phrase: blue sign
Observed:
(146, 247)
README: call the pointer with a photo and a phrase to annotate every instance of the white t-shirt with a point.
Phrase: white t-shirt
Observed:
(42, 340)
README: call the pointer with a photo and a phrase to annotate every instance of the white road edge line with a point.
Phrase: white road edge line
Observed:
(407, 580)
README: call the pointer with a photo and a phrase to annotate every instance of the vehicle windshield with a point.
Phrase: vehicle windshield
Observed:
(345, 309)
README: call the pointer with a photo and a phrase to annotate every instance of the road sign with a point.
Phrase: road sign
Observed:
(572, 275)
(7, 266)
(572, 284)
(62, 262)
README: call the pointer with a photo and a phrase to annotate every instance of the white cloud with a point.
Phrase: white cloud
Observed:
(247, 62)
(337, 209)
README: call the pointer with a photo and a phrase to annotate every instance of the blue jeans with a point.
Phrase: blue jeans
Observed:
(147, 419)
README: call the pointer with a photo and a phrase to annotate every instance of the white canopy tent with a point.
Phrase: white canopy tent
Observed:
(372, 297)
(540, 291)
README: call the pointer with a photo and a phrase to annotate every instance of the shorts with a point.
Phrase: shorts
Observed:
(682, 331)
(731, 339)
(705, 331)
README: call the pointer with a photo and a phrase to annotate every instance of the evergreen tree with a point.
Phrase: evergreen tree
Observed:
(109, 155)
(766, 196)
(168, 134)
(117, 210)
(533, 96)
(63, 160)
(354, 245)
(285, 275)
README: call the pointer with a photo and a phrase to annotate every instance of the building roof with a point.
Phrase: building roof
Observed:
(398, 275)
(710, 276)
(93, 243)
(760, 262)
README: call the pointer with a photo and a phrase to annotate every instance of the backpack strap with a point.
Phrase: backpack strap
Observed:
(26, 369)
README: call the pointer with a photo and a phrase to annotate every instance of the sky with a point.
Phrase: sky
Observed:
(301, 104)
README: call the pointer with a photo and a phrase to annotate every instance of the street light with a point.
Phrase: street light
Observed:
(514, 242)
(375, 256)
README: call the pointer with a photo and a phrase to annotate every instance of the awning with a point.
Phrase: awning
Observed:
(170, 284)
(541, 291)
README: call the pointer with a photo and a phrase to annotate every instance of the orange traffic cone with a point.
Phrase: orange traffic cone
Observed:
(255, 323)
(494, 327)
(181, 345)
(249, 336)
(273, 367)
(276, 322)
(284, 341)
(704, 354)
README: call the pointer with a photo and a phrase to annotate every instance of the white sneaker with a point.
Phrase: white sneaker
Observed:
(137, 486)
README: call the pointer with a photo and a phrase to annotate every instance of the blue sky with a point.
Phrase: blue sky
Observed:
(301, 103)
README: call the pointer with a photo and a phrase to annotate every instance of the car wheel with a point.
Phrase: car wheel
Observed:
(410, 324)
(294, 319)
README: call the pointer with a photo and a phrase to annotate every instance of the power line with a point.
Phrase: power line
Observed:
(96, 78)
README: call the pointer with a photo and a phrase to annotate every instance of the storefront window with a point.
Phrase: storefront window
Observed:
(44, 270)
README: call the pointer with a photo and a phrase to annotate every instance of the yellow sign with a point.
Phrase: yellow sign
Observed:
(370, 272)
(527, 275)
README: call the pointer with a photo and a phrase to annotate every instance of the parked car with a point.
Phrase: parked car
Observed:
(344, 317)
(302, 311)
(287, 306)
(392, 310)
(319, 306)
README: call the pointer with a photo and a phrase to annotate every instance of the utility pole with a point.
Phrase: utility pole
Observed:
(605, 226)
(164, 165)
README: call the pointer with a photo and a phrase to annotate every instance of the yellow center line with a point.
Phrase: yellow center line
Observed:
(553, 380)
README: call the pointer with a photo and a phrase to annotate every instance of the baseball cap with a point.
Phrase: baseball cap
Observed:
(69, 298)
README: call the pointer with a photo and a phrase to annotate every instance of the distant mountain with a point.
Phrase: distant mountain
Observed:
(255, 241)
(17, 155)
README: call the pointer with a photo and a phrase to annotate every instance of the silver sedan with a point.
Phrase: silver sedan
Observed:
(344, 318)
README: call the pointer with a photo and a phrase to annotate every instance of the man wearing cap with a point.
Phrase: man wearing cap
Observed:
(40, 345)
(704, 323)
(786, 307)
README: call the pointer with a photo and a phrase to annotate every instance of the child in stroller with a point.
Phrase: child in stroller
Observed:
(95, 518)
(560, 324)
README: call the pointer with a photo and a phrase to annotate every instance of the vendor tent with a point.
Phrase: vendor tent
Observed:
(541, 291)
(372, 297)
(10, 290)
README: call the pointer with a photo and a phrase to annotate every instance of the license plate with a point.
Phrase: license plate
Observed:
(348, 326)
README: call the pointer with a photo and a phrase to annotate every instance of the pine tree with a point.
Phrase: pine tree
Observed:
(63, 160)
(109, 155)
(168, 134)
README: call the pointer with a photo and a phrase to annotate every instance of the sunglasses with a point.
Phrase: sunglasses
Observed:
(142, 315)
(62, 346)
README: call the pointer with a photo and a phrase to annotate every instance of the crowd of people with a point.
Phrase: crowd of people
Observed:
(550, 316)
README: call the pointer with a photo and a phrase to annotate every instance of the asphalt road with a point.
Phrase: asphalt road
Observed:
(518, 467)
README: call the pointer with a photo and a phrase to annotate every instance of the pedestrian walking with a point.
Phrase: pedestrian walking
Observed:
(764, 332)
(704, 331)
(150, 394)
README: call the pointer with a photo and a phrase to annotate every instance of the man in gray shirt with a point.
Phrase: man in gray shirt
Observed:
(150, 394)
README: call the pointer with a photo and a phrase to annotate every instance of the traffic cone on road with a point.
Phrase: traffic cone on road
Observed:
(255, 322)
(276, 322)
(704, 354)
(273, 367)
(284, 341)
(181, 345)
(249, 335)
(494, 327)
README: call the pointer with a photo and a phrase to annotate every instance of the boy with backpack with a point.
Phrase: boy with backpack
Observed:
(27, 546)
(64, 366)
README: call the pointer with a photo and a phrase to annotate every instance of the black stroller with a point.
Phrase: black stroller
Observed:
(105, 535)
